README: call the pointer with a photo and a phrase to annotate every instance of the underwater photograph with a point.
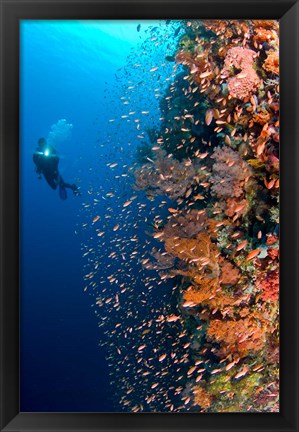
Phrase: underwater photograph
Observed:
(149, 216)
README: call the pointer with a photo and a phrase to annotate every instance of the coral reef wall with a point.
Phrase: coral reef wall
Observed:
(216, 158)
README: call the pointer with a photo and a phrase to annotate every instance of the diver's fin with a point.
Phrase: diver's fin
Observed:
(62, 192)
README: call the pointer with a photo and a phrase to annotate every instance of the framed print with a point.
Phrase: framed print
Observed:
(149, 275)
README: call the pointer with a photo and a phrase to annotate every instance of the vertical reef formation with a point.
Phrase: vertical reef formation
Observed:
(216, 158)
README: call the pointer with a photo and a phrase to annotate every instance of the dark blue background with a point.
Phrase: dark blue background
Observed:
(64, 67)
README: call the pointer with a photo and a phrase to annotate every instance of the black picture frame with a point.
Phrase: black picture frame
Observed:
(12, 11)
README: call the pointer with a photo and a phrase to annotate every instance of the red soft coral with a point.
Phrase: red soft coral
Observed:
(269, 286)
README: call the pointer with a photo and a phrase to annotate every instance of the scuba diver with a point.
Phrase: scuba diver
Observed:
(46, 160)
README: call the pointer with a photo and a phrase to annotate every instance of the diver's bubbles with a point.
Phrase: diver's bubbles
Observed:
(60, 132)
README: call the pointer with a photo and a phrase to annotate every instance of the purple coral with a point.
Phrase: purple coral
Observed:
(166, 176)
(229, 173)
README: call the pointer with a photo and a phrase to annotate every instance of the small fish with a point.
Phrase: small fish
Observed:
(242, 372)
(191, 370)
(172, 318)
(260, 148)
(203, 155)
(215, 371)
(170, 58)
(177, 31)
(230, 365)
(199, 197)
(257, 367)
(227, 140)
(241, 245)
(253, 254)
(138, 27)
(270, 184)
(205, 74)
(158, 235)
(209, 117)
(189, 304)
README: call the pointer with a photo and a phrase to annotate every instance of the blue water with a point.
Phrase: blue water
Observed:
(75, 71)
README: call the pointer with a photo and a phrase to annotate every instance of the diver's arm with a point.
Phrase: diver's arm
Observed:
(36, 156)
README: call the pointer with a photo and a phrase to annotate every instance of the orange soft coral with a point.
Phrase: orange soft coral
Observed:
(263, 35)
(271, 64)
(202, 397)
(268, 24)
(240, 336)
(227, 28)
(200, 252)
(261, 117)
(219, 27)
(207, 293)
(229, 273)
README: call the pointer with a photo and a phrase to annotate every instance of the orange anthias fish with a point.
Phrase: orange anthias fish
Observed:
(253, 254)
(209, 117)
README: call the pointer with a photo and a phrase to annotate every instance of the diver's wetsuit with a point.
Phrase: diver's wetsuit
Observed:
(46, 160)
